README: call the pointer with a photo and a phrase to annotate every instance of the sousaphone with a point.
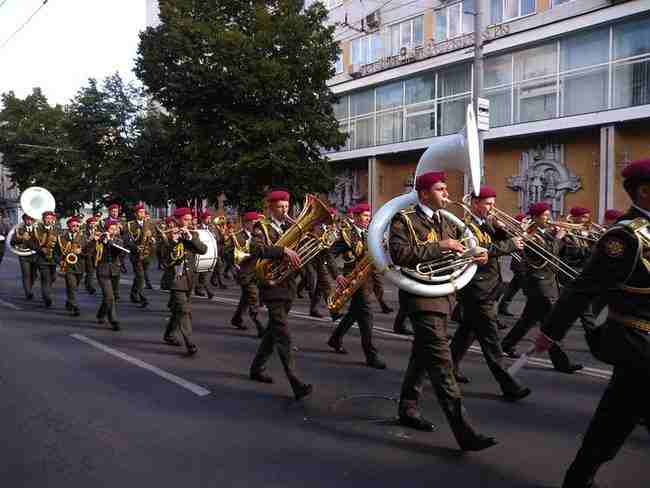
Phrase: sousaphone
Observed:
(33, 202)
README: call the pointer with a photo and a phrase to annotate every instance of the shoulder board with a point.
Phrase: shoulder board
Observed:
(408, 210)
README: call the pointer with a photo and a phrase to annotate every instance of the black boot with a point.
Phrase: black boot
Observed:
(468, 439)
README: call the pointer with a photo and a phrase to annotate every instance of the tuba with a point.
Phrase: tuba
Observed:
(33, 202)
(459, 151)
(301, 238)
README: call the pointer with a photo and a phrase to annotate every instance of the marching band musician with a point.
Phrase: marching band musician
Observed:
(167, 225)
(114, 214)
(179, 249)
(139, 239)
(44, 242)
(73, 263)
(278, 298)
(202, 286)
(22, 238)
(617, 272)
(419, 234)
(477, 299)
(541, 289)
(246, 274)
(518, 269)
(353, 246)
(611, 217)
(147, 280)
(89, 231)
(106, 260)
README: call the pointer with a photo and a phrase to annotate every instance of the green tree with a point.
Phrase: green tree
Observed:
(249, 80)
(37, 150)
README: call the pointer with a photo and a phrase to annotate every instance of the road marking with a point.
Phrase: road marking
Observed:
(194, 388)
(9, 305)
(593, 372)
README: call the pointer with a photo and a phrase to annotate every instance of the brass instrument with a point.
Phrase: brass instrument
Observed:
(301, 239)
(356, 279)
(70, 255)
(34, 201)
(240, 252)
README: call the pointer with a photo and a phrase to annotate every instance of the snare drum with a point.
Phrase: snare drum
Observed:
(206, 262)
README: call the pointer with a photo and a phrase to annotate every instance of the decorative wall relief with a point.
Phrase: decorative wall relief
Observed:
(543, 177)
(347, 190)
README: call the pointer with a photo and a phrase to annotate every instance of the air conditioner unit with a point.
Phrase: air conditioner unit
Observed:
(373, 20)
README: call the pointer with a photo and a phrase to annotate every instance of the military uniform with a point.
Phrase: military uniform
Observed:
(377, 281)
(178, 258)
(518, 268)
(618, 272)
(106, 261)
(139, 239)
(44, 242)
(246, 279)
(217, 273)
(4, 230)
(72, 243)
(322, 287)
(414, 238)
(478, 319)
(22, 238)
(89, 266)
(278, 299)
(541, 290)
(351, 244)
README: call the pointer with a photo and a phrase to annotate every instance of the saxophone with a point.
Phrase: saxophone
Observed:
(356, 279)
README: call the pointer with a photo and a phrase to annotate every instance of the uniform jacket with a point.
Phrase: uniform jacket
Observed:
(45, 243)
(617, 272)
(542, 281)
(265, 235)
(139, 239)
(22, 238)
(105, 258)
(351, 245)
(179, 257)
(76, 243)
(414, 238)
(241, 240)
(487, 282)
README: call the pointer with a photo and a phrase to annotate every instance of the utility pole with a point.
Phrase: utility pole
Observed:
(477, 85)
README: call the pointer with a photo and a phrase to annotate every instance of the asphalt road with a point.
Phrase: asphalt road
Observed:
(83, 406)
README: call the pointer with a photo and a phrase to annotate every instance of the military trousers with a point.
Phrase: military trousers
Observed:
(217, 275)
(28, 271)
(322, 286)
(203, 284)
(247, 303)
(72, 281)
(90, 277)
(277, 337)
(359, 312)
(180, 321)
(515, 284)
(140, 267)
(478, 321)
(48, 277)
(109, 285)
(624, 404)
(431, 356)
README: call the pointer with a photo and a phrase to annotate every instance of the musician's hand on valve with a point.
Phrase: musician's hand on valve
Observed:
(451, 245)
(293, 257)
(518, 242)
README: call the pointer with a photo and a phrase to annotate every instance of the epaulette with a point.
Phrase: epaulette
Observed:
(265, 224)
(408, 210)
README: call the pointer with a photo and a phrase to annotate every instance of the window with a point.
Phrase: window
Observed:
(367, 49)
(455, 20)
(631, 78)
(389, 113)
(405, 34)
(505, 10)
(536, 93)
(338, 64)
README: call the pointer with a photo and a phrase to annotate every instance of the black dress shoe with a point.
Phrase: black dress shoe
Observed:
(237, 324)
(505, 312)
(386, 309)
(570, 369)
(478, 443)
(91, 291)
(101, 321)
(461, 378)
(192, 349)
(337, 346)
(68, 306)
(404, 331)
(511, 353)
(199, 293)
(261, 330)
(375, 362)
(48, 302)
(261, 376)
(299, 295)
(302, 391)
(76, 312)
(115, 325)
(172, 341)
(29, 296)
(417, 423)
(210, 295)
(315, 313)
(513, 396)
(148, 286)
(144, 304)
(134, 299)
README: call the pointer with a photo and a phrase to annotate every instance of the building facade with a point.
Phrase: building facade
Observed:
(568, 84)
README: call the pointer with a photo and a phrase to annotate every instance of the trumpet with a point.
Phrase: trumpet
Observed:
(104, 238)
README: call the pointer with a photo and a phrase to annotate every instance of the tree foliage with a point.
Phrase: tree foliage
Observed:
(248, 81)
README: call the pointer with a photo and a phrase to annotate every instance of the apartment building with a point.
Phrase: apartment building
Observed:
(568, 83)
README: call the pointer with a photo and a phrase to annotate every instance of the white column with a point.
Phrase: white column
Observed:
(607, 168)
(373, 182)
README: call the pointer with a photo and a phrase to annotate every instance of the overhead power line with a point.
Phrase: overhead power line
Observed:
(29, 19)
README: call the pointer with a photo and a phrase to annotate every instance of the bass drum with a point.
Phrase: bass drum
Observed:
(206, 262)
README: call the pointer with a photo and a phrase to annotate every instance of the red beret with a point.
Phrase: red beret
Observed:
(91, 220)
(45, 214)
(520, 217)
(251, 216)
(169, 220)
(115, 205)
(613, 214)
(206, 214)
(360, 208)
(637, 170)
(278, 195)
(486, 192)
(427, 180)
(72, 220)
(182, 212)
(110, 222)
(537, 209)
(139, 206)
(579, 211)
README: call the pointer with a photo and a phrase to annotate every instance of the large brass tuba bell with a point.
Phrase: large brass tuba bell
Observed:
(33, 202)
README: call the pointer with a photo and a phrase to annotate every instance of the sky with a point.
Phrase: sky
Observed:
(66, 43)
